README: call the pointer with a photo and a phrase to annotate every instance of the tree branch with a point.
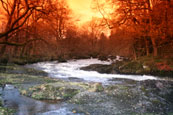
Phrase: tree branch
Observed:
(23, 44)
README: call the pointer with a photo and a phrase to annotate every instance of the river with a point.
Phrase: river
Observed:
(70, 71)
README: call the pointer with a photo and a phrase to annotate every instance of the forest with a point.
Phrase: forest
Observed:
(46, 30)
(118, 62)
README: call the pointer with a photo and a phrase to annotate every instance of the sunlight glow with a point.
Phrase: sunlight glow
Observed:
(82, 10)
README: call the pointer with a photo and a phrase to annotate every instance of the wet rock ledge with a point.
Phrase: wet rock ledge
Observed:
(142, 66)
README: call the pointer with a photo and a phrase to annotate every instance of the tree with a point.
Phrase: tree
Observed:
(147, 19)
(31, 23)
(17, 12)
(59, 18)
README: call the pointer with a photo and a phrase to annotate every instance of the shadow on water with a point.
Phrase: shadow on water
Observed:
(24, 105)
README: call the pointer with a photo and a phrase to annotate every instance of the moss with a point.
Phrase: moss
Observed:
(122, 93)
(23, 78)
(24, 60)
(156, 102)
(16, 69)
(134, 65)
(6, 111)
(146, 65)
(19, 61)
(69, 93)
(49, 92)
(143, 89)
(131, 67)
(97, 87)
(143, 113)
(170, 113)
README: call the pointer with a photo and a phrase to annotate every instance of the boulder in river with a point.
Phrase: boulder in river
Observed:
(101, 68)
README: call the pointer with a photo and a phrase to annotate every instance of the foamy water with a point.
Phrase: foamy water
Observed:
(72, 69)
(61, 111)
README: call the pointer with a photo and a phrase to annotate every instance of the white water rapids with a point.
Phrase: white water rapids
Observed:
(71, 68)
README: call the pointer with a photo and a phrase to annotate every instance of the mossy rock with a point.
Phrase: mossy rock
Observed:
(6, 111)
(23, 79)
(121, 92)
(99, 68)
(16, 69)
(49, 92)
(97, 87)
(131, 67)
(69, 93)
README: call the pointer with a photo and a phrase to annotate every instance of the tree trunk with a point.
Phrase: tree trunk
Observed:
(147, 47)
(22, 51)
(3, 48)
(155, 50)
(134, 52)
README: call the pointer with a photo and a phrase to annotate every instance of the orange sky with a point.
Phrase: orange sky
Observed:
(82, 9)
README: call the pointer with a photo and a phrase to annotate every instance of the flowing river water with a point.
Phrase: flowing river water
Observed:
(67, 71)
(71, 69)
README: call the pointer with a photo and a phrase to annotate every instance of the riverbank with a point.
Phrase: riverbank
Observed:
(36, 59)
(121, 96)
(142, 66)
(37, 85)
(19, 77)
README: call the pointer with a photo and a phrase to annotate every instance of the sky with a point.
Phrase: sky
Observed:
(82, 9)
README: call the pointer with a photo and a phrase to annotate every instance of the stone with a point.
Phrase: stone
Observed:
(97, 87)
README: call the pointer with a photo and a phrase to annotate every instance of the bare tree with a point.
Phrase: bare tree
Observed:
(17, 13)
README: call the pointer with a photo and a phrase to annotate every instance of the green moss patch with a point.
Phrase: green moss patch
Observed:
(6, 111)
(50, 92)
(146, 65)
(23, 79)
(16, 69)
(132, 67)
